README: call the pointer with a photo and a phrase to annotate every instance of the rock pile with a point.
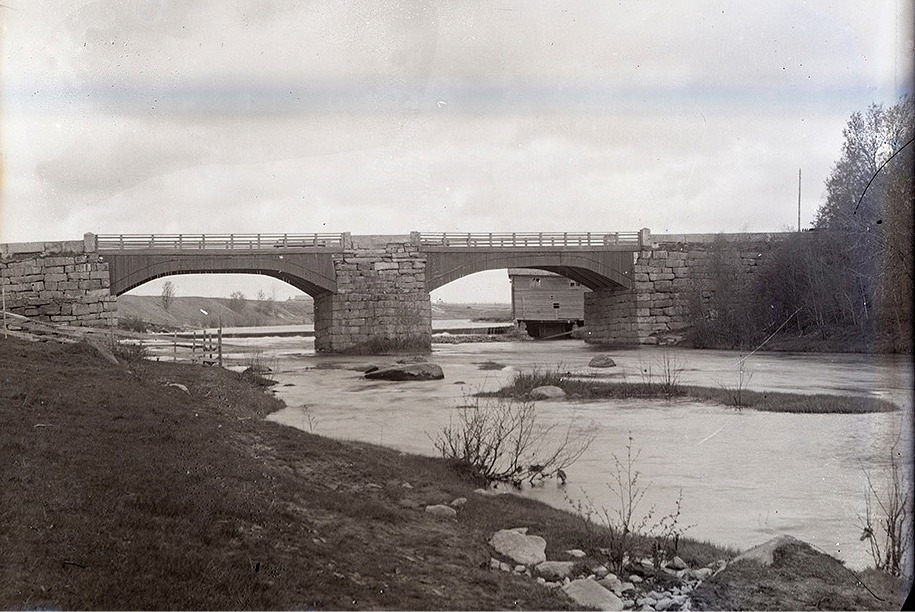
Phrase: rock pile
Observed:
(593, 586)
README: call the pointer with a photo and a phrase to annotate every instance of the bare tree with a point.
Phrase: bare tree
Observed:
(168, 294)
(237, 301)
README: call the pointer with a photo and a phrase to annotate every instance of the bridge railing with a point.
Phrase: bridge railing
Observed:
(529, 239)
(237, 242)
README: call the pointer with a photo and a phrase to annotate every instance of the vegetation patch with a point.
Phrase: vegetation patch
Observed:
(490, 366)
(767, 401)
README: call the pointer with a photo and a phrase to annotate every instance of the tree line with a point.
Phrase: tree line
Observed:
(847, 281)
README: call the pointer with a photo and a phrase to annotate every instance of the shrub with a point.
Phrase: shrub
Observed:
(134, 324)
(501, 441)
(625, 532)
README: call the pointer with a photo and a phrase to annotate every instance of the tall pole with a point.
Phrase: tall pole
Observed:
(798, 199)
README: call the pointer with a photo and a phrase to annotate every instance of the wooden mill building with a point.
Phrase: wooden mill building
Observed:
(545, 302)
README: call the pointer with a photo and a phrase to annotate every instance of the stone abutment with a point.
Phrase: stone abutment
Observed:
(58, 282)
(676, 279)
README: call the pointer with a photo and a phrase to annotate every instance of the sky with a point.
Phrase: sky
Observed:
(385, 117)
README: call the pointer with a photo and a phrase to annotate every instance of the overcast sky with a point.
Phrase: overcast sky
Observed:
(385, 117)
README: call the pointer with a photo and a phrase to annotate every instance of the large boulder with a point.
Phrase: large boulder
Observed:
(441, 510)
(408, 371)
(519, 547)
(764, 553)
(547, 392)
(588, 594)
(602, 361)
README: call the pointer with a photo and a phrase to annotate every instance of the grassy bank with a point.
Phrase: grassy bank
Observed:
(160, 486)
(768, 401)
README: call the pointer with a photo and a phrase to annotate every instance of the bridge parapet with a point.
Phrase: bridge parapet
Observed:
(220, 242)
(631, 241)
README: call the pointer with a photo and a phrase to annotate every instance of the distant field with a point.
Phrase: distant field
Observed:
(190, 311)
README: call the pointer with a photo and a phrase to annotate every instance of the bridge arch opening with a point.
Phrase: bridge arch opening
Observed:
(545, 304)
(607, 270)
(208, 300)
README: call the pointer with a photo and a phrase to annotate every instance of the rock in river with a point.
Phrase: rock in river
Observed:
(408, 371)
(602, 361)
(547, 392)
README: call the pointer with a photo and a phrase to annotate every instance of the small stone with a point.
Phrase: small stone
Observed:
(663, 604)
(610, 581)
(677, 564)
(554, 570)
(600, 570)
(647, 600)
(576, 553)
(701, 574)
(627, 586)
(547, 392)
(519, 569)
(589, 594)
(178, 386)
(635, 579)
(505, 567)
(441, 510)
(541, 580)
(407, 485)
(494, 563)
(459, 502)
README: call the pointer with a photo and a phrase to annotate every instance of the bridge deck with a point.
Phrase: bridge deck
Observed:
(629, 240)
(428, 240)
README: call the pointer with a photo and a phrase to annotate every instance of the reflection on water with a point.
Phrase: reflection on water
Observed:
(744, 475)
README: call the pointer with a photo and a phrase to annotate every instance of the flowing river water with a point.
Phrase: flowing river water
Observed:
(744, 475)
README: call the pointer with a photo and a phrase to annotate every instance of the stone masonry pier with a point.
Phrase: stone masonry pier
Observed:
(381, 302)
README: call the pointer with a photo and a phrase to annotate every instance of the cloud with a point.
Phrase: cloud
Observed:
(367, 116)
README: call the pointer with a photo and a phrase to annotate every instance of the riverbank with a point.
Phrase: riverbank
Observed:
(155, 485)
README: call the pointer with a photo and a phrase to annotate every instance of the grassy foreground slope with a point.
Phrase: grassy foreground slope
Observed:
(119, 491)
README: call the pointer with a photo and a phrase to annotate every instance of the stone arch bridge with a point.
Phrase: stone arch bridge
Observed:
(371, 292)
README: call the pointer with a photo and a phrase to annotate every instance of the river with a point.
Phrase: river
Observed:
(744, 476)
